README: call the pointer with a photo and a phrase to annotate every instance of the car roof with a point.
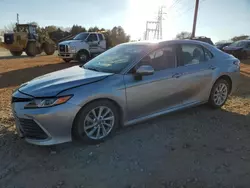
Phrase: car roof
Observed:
(164, 42)
(158, 43)
(91, 32)
(247, 40)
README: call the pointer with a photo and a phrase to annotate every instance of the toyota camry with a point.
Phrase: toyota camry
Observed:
(125, 85)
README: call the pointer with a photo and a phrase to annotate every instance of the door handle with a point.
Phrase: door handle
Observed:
(212, 67)
(177, 75)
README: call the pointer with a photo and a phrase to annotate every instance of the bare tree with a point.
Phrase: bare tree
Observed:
(183, 35)
(10, 27)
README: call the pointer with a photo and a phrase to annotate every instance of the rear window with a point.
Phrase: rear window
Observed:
(208, 54)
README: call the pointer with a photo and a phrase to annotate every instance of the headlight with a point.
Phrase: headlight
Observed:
(47, 102)
(72, 49)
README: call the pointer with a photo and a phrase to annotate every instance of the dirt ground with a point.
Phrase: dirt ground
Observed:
(198, 147)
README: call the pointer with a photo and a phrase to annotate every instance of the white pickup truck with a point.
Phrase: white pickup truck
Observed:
(82, 47)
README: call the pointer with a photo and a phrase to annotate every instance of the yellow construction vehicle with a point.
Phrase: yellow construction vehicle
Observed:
(26, 39)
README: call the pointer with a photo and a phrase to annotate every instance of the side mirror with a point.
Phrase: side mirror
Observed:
(145, 70)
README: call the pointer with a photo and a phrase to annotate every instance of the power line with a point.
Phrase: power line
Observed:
(174, 4)
(188, 10)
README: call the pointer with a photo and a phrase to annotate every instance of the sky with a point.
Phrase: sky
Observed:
(217, 19)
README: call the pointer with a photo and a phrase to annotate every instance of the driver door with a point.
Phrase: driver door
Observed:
(93, 43)
(152, 93)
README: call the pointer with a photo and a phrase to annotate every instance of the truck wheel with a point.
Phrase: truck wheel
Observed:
(31, 49)
(49, 49)
(66, 60)
(82, 57)
(16, 53)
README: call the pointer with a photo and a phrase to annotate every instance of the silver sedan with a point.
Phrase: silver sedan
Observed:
(127, 84)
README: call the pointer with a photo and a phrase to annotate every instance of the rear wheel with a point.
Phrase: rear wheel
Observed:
(31, 49)
(49, 49)
(219, 93)
(96, 122)
(16, 53)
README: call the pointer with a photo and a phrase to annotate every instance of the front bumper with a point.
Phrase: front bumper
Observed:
(67, 55)
(44, 126)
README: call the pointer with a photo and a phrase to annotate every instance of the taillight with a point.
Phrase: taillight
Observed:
(237, 63)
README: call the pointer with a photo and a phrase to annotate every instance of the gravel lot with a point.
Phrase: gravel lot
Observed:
(195, 148)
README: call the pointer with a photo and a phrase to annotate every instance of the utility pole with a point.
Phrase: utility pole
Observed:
(195, 18)
(17, 18)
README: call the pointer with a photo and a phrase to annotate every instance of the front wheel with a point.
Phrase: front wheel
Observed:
(219, 93)
(48, 48)
(31, 49)
(96, 122)
(67, 60)
(82, 57)
(16, 53)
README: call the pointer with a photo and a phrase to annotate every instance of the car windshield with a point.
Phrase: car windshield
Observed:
(238, 44)
(117, 58)
(81, 36)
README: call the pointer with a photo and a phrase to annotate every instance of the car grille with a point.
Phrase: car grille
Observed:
(31, 129)
(16, 99)
(63, 48)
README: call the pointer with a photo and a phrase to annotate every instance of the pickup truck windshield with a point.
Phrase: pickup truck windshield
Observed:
(81, 36)
(117, 58)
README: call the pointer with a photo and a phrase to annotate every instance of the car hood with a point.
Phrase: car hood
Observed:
(68, 42)
(232, 48)
(51, 84)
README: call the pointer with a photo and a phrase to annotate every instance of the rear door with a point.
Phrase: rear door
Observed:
(102, 43)
(194, 73)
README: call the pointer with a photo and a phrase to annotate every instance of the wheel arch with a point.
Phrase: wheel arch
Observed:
(85, 51)
(119, 107)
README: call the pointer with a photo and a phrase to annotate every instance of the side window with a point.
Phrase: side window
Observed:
(208, 54)
(92, 38)
(190, 54)
(100, 36)
(161, 59)
(248, 45)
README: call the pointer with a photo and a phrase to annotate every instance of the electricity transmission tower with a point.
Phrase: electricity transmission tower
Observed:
(155, 27)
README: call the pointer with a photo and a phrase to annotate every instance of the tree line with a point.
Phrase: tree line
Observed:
(186, 35)
(114, 36)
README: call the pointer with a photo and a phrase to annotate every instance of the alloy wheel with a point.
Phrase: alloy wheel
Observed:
(220, 94)
(99, 122)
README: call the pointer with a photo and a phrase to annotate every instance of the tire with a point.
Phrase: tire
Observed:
(67, 60)
(82, 57)
(31, 49)
(48, 48)
(16, 53)
(87, 133)
(217, 89)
